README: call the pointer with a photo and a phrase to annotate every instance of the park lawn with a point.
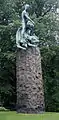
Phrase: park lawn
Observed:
(16, 116)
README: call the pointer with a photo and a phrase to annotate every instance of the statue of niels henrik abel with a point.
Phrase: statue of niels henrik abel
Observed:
(25, 35)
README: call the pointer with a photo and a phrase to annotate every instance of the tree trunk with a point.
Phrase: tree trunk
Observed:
(30, 94)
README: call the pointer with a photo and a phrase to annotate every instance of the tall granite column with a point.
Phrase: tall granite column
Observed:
(30, 93)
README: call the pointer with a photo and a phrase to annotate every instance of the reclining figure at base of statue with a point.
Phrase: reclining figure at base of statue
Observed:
(25, 35)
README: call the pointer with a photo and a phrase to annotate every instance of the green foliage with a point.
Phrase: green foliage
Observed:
(7, 66)
(50, 59)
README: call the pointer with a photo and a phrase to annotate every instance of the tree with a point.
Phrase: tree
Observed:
(50, 58)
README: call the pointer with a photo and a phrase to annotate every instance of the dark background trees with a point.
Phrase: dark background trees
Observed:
(44, 13)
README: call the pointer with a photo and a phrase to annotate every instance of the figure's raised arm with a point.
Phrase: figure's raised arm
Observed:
(29, 18)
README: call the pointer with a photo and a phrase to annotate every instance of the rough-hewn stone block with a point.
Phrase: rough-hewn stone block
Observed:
(30, 94)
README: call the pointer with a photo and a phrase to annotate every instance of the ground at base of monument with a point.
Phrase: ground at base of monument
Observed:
(15, 116)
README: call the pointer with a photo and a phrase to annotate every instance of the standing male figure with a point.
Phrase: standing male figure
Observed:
(26, 19)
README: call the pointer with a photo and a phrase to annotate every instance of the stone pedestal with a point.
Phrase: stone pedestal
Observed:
(30, 94)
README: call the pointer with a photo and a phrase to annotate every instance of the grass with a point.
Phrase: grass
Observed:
(16, 116)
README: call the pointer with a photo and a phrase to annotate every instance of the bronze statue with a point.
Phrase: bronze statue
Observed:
(25, 35)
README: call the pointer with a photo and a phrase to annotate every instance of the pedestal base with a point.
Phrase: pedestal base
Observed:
(30, 94)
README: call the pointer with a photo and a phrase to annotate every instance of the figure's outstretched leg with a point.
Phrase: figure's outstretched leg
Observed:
(22, 32)
(23, 41)
(31, 45)
(23, 29)
(19, 46)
